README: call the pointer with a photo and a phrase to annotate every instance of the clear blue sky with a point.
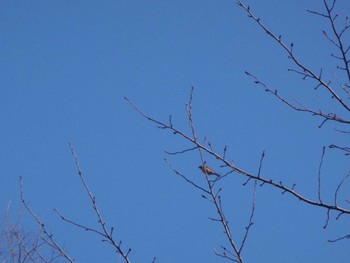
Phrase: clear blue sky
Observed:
(65, 67)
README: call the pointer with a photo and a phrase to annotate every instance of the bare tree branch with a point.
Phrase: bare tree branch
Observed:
(216, 199)
(345, 149)
(51, 241)
(338, 239)
(105, 232)
(319, 175)
(250, 224)
(303, 70)
(185, 178)
(338, 188)
(327, 116)
(236, 169)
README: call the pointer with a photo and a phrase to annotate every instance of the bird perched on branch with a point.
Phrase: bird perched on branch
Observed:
(207, 170)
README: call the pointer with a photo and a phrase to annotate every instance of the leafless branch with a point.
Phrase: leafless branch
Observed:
(338, 188)
(261, 163)
(250, 224)
(236, 169)
(319, 175)
(185, 178)
(51, 241)
(180, 152)
(345, 149)
(216, 199)
(226, 255)
(338, 36)
(327, 116)
(327, 219)
(302, 69)
(85, 228)
(338, 239)
(105, 232)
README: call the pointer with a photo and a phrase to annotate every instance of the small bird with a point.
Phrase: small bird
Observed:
(207, 170)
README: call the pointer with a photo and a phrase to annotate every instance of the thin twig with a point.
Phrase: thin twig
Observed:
(261, 162)
(181, 152)
(319, 175)
(327, 219)
(185, 178)
(250, 224)
(341, 238)
(338, 188)
(345, 149)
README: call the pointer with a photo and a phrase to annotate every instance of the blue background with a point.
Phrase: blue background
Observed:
(64, 70)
